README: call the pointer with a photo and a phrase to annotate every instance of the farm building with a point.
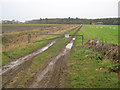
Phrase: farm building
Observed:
(99, 23)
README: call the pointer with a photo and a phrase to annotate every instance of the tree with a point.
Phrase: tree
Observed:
(68, 17)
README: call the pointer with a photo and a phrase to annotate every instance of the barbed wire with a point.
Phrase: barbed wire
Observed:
(46, 39)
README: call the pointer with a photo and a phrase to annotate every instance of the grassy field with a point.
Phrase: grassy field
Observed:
(86, 71)
(107, 33)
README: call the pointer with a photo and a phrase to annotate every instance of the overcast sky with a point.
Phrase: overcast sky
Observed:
(34, 9)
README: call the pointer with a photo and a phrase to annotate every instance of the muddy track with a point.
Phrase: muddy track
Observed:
(10, 70)
(51, 75)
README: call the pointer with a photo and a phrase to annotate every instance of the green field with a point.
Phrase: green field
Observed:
(108, 33)
(90, 72)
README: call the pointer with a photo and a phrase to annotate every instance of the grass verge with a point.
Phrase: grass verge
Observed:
(86, 71)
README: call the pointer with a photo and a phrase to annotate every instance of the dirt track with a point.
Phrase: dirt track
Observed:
(51, 75)
(13, 68)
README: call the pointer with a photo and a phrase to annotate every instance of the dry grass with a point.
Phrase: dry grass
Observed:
(15, 40)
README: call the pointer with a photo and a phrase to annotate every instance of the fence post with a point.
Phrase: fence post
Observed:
(82, 40)
(29, 38)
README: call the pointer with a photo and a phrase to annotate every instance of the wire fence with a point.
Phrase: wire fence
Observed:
(46, 39)
(18, 40)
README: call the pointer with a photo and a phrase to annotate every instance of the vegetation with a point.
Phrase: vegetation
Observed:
(86, 71)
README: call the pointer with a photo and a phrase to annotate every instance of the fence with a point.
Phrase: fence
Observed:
(66, 35)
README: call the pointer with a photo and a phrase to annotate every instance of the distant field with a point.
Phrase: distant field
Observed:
(31, 24)
(23, 27)
(108, 33)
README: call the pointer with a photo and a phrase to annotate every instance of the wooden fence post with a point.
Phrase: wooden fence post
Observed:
(82, 39)
(29, 38)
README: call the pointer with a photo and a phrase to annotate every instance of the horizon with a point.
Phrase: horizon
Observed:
(59, 18)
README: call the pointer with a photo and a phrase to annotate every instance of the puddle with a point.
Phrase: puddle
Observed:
(69, 46)
(73, 38)
(19, 61)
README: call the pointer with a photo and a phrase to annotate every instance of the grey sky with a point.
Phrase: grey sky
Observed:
(34, 9)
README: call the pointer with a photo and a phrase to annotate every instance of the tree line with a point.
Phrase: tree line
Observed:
(104, 21)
